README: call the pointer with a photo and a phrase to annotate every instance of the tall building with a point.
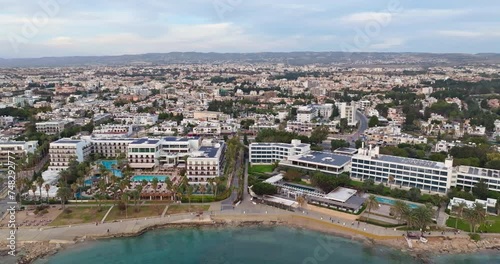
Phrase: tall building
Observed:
(50, 128)
(64, 150)
(348, 111)
(268, 153)
(306, 114)
(467, 177)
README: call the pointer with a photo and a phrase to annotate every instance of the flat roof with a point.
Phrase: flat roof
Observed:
(350, 151)
(274, 179)
(341, 194)
(145, 141)
(67, 141)
(324, 158)
(210, 152)
(354, 203)
(411, 161)
(182, 139)
(279, 200)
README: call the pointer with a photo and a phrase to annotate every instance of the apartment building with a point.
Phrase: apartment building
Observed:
(206, 163)
(348, 111)
(6, 121)
(108, 131)
(305, 114)
(268, 153)
(214, 129)
(137, 119)
(50, 128)
(306, 128)
(64, 150)
(15, 150)
(143, 153)
(403, 172)
(210, 116)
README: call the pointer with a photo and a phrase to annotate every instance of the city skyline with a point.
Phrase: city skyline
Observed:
(69, 28)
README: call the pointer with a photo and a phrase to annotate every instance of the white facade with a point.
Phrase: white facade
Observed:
(403, 172)
(206, 163)
(349, 112)
(467, 177)
(50, 128)
(268, 153)
(107, 131)
(305, 114)
(11, 151)
(143, 153)
(64, 150)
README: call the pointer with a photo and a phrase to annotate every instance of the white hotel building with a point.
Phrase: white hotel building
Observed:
(206, 163)
(268, 153)
(64, 150)
(143, 153)
(406, 172)
(466, 177)
(14, 150)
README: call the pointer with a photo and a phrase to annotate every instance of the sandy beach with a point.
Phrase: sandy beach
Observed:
(448, 244)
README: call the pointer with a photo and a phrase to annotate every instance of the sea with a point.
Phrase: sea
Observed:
(247, 245)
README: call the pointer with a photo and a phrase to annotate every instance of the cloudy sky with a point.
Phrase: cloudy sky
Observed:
(39, 28)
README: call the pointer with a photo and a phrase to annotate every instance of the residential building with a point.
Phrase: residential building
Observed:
(467, 177)
(6, 121)
(50, 128)
(113, 131)
(348, 111)
(15, 150)
(268, 153)
(64, 150)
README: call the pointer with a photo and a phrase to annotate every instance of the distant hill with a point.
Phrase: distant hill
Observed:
(292, 58)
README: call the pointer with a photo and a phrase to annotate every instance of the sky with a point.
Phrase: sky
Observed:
(45, 28)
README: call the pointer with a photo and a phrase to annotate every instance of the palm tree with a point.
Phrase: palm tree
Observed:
(371, 203)
(125, 201)
(63, 193)
(19, 188)
(202, 190)
(211, 181)
(459, 209)
(47, 188)
(217, 182)
(99, 197)
(154, 184)
(169, 184)
(400, 209)
(102, 186)
(422, 216)
(301, 200)
(189, 193)
(391, 180)
(74, 188)
(33, 189)
(475, 216)
(39, 182)
(135, 195)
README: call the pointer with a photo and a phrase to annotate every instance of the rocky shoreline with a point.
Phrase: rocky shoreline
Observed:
(31, 251)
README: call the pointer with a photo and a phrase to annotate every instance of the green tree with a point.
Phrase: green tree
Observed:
(414, 194)
(63, 193)
(339, 143)
(358, 143)
(319, 134)
(400, 210)
(373, 122)
(459, 210)
(422, 216)
(480, 189)
(262, 188)
(371, 203)
(39, 183)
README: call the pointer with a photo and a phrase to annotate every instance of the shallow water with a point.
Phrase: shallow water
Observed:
(247, 245)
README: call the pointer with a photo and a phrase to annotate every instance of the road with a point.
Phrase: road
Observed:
(235, 183)
(351, 138)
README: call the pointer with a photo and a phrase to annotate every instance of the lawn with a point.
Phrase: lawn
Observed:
(258, 169)
(178, 208)
(492, 224)
(80, 215)
(144, 211)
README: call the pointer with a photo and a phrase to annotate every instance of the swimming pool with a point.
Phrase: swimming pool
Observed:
(108, 164)
(388, 201)
(149, 178)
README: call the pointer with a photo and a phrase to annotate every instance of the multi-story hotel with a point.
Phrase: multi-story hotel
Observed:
(64, 150)
(50, 128)
(110, 147)
(14, 150)
(466, 177)
(207, 163)
(402, 172)
(268, 153)
(174, 149)
(143, 153)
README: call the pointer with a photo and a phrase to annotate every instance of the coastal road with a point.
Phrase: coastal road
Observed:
(235, 182)
(351, 138)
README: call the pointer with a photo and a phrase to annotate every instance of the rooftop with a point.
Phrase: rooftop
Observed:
(410, 161)
(341, 194)
(324, 158)
(210, 152)
(181, 139)
(349, 151)
(145, 141)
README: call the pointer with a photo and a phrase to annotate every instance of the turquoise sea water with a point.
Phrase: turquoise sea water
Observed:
(234, 245)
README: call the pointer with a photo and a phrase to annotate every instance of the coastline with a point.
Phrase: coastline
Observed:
(442, 245)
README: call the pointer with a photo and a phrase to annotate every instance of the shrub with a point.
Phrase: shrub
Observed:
(68, 211)
(475, 237)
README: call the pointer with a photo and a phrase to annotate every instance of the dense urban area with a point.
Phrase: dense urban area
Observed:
(410, 148)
